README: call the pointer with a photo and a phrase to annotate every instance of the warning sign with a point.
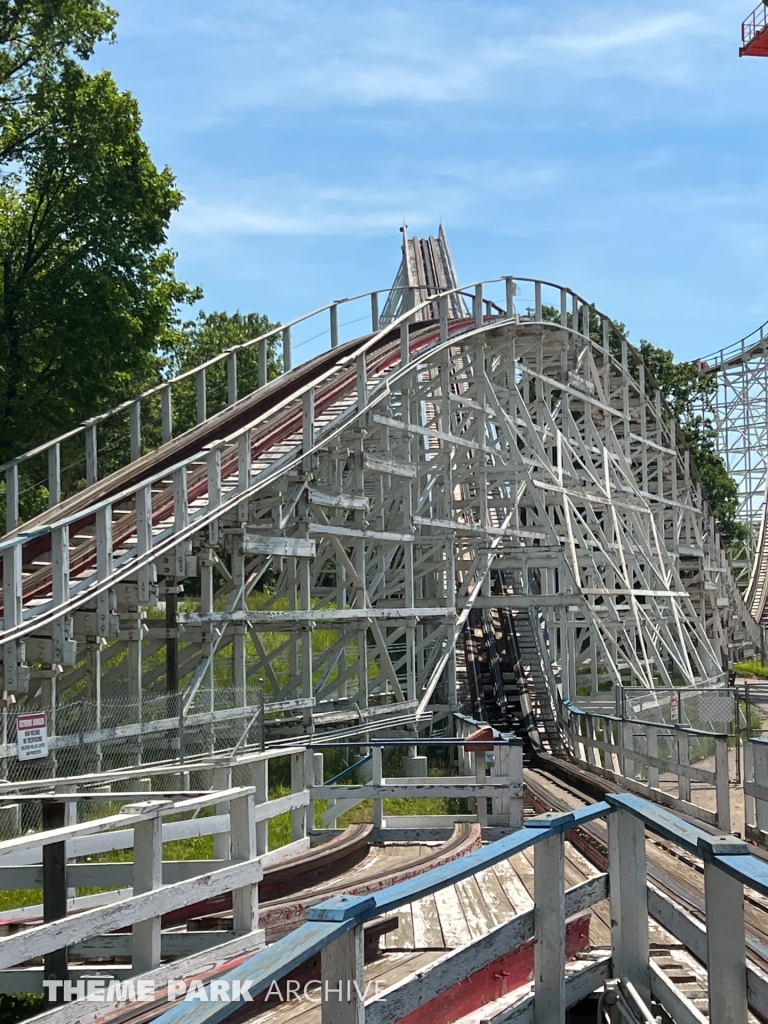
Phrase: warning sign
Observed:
(32, 736)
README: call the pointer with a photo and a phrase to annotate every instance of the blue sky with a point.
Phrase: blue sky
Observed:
(617, 148)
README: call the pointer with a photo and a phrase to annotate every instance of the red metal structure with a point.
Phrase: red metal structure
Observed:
(754, 33)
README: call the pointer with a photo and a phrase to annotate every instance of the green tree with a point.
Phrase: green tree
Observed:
(686, 390)
(39, 41)
(207, 336)
(88, 295)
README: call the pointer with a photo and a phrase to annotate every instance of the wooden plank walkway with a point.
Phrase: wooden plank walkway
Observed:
(450, 918)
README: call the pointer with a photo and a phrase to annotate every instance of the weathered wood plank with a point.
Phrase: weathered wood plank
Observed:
(15, 949)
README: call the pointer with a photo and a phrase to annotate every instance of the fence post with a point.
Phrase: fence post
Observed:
(722, 791)
(628, 882)
(91, 455)
(298, 784)
(726, 938)
(652, 749)
(287, 352)
(54, 887)
(342, 979)
(263, 362)
(147, 875)
(683, 783)
(628, 743)
(549, 931)
(260, 781)
(54, 475)
(166, 413)
(318, 770)
(201, 396)
(477, 305)
(378, 803)
(361, 368)
(374, 312)
(222, 779)
(231, 377)
(516, 802)
(245, 901)
(135, 430)
(481, 802)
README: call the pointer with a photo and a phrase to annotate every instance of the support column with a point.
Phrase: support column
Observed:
(629, 900)
(549, 931)
(147, 875)
(245, 901)
(55, 966)
(93, 691)
(342, 980)
(222, 779)
(726, 936)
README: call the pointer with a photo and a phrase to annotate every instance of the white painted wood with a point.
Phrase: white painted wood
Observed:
(284, 547)
(549, 928)
(416, 990)
(147, 875)
(34, 942)
(722, 789)
(298, 786)
(197, 965)
(679, 1006)
(652, 740)
(222, 780)
(629, 901)
(260, 781)
(726, 946)
(342, 979)
(378, 803)
(245, 901)
(683, 782)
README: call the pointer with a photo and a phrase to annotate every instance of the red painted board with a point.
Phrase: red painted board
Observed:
(504, 975)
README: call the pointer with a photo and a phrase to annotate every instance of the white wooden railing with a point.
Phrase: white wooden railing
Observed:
(638, 754)
(491, 770)
(146, 888)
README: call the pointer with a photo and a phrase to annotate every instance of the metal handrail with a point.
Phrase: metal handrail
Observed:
(754, 24)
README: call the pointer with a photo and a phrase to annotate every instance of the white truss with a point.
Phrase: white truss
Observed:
(371, 496)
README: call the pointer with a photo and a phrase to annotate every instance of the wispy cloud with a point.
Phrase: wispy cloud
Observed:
(295, 204)
(343, 55)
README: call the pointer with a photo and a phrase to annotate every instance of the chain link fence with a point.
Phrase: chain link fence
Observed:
(85, 737)
(709, 710)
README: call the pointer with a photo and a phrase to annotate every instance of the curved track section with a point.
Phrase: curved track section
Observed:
(739, 411)
(335, 529)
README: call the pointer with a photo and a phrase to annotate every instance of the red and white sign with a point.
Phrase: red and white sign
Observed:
(32, 736)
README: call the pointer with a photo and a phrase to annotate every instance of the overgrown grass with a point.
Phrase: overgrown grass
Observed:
(751, 668)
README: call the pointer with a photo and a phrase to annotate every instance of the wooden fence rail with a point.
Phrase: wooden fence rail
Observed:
(632, 753)
(146, 888)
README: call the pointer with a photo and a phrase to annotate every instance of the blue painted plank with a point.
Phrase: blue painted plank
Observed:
(448, 874)
(283, 956)
(271, 964)
(750, 871)
(660, 821)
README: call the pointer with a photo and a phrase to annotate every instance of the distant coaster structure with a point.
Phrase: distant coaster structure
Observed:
(316, 547)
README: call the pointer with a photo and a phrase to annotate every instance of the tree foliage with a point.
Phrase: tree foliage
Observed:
(89, 300)
(207, 336)
(40, 40)
(686, 390)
